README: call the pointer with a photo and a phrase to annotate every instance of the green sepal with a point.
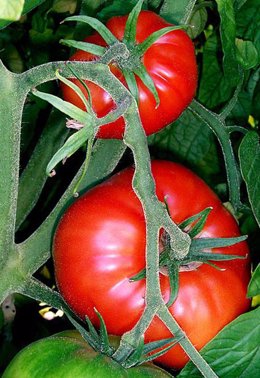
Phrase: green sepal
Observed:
(97, 25)
(86, 163)
(75, 88)
(87, 102)
(131, 23)
(136, 356)
(195, 254)
(201, 219)
(72, 144)
(131, 82)
(87, 336)
(104, 340)
(141, 48)
(173, 269)
(114, 114)
(84, 46)
(65, 107)
(144, 352)
(92, 330)
(148, 82)
(163, 350)
(205, 257)
(204, 243)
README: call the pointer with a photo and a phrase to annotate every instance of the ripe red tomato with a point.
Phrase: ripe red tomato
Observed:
(171, 63)
(100, 244)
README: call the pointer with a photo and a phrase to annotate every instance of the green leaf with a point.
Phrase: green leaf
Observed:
(248, 21)
(234, 352)
(62, 6)
(214, 86)
(238, 4)
(197, 22)
(116, 8)
(11, 10)
(254, 284)
(189, 141)
(177, 11)
(28, 6)
(228, 35)
(249, 156)
(247, 54)
(256, 102)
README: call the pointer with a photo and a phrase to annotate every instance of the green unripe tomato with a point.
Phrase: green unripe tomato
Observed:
(67, 355)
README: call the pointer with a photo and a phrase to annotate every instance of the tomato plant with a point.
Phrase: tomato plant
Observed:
(170, 61)
(99, 246)
(66, 354)
(217, 136)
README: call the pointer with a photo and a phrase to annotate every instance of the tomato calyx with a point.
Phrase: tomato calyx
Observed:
(86, 123)
(126, 54)
(200, 252)
(101, 342)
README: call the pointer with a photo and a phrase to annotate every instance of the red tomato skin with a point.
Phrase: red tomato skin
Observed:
(100, 244)
(171, 63)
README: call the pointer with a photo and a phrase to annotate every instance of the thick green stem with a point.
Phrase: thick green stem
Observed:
(216, 124)
(156, 217)
(11, 106)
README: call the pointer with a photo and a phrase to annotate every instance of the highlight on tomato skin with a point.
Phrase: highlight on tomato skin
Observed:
(170, 62)
(99, 245)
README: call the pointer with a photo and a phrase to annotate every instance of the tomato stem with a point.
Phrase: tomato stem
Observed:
(216, 124)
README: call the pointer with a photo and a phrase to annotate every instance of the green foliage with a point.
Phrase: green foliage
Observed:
(14, 10)
(228, 34)
(178, 11)
(235, 351)
(254, 284)
(249, 155)
(11, 10)
(189, 141)
(214, 87)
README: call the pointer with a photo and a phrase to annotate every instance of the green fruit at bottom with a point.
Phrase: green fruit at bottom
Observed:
(67, 355)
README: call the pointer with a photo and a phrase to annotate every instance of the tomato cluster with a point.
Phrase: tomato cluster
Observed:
(100, 243)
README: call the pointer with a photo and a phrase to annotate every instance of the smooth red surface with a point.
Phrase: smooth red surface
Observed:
(171, 63)
(100, 244)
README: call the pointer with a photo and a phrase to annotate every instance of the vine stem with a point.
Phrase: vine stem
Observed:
(216, 124)
(35, 250)
(185, 343)
(156, 217)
